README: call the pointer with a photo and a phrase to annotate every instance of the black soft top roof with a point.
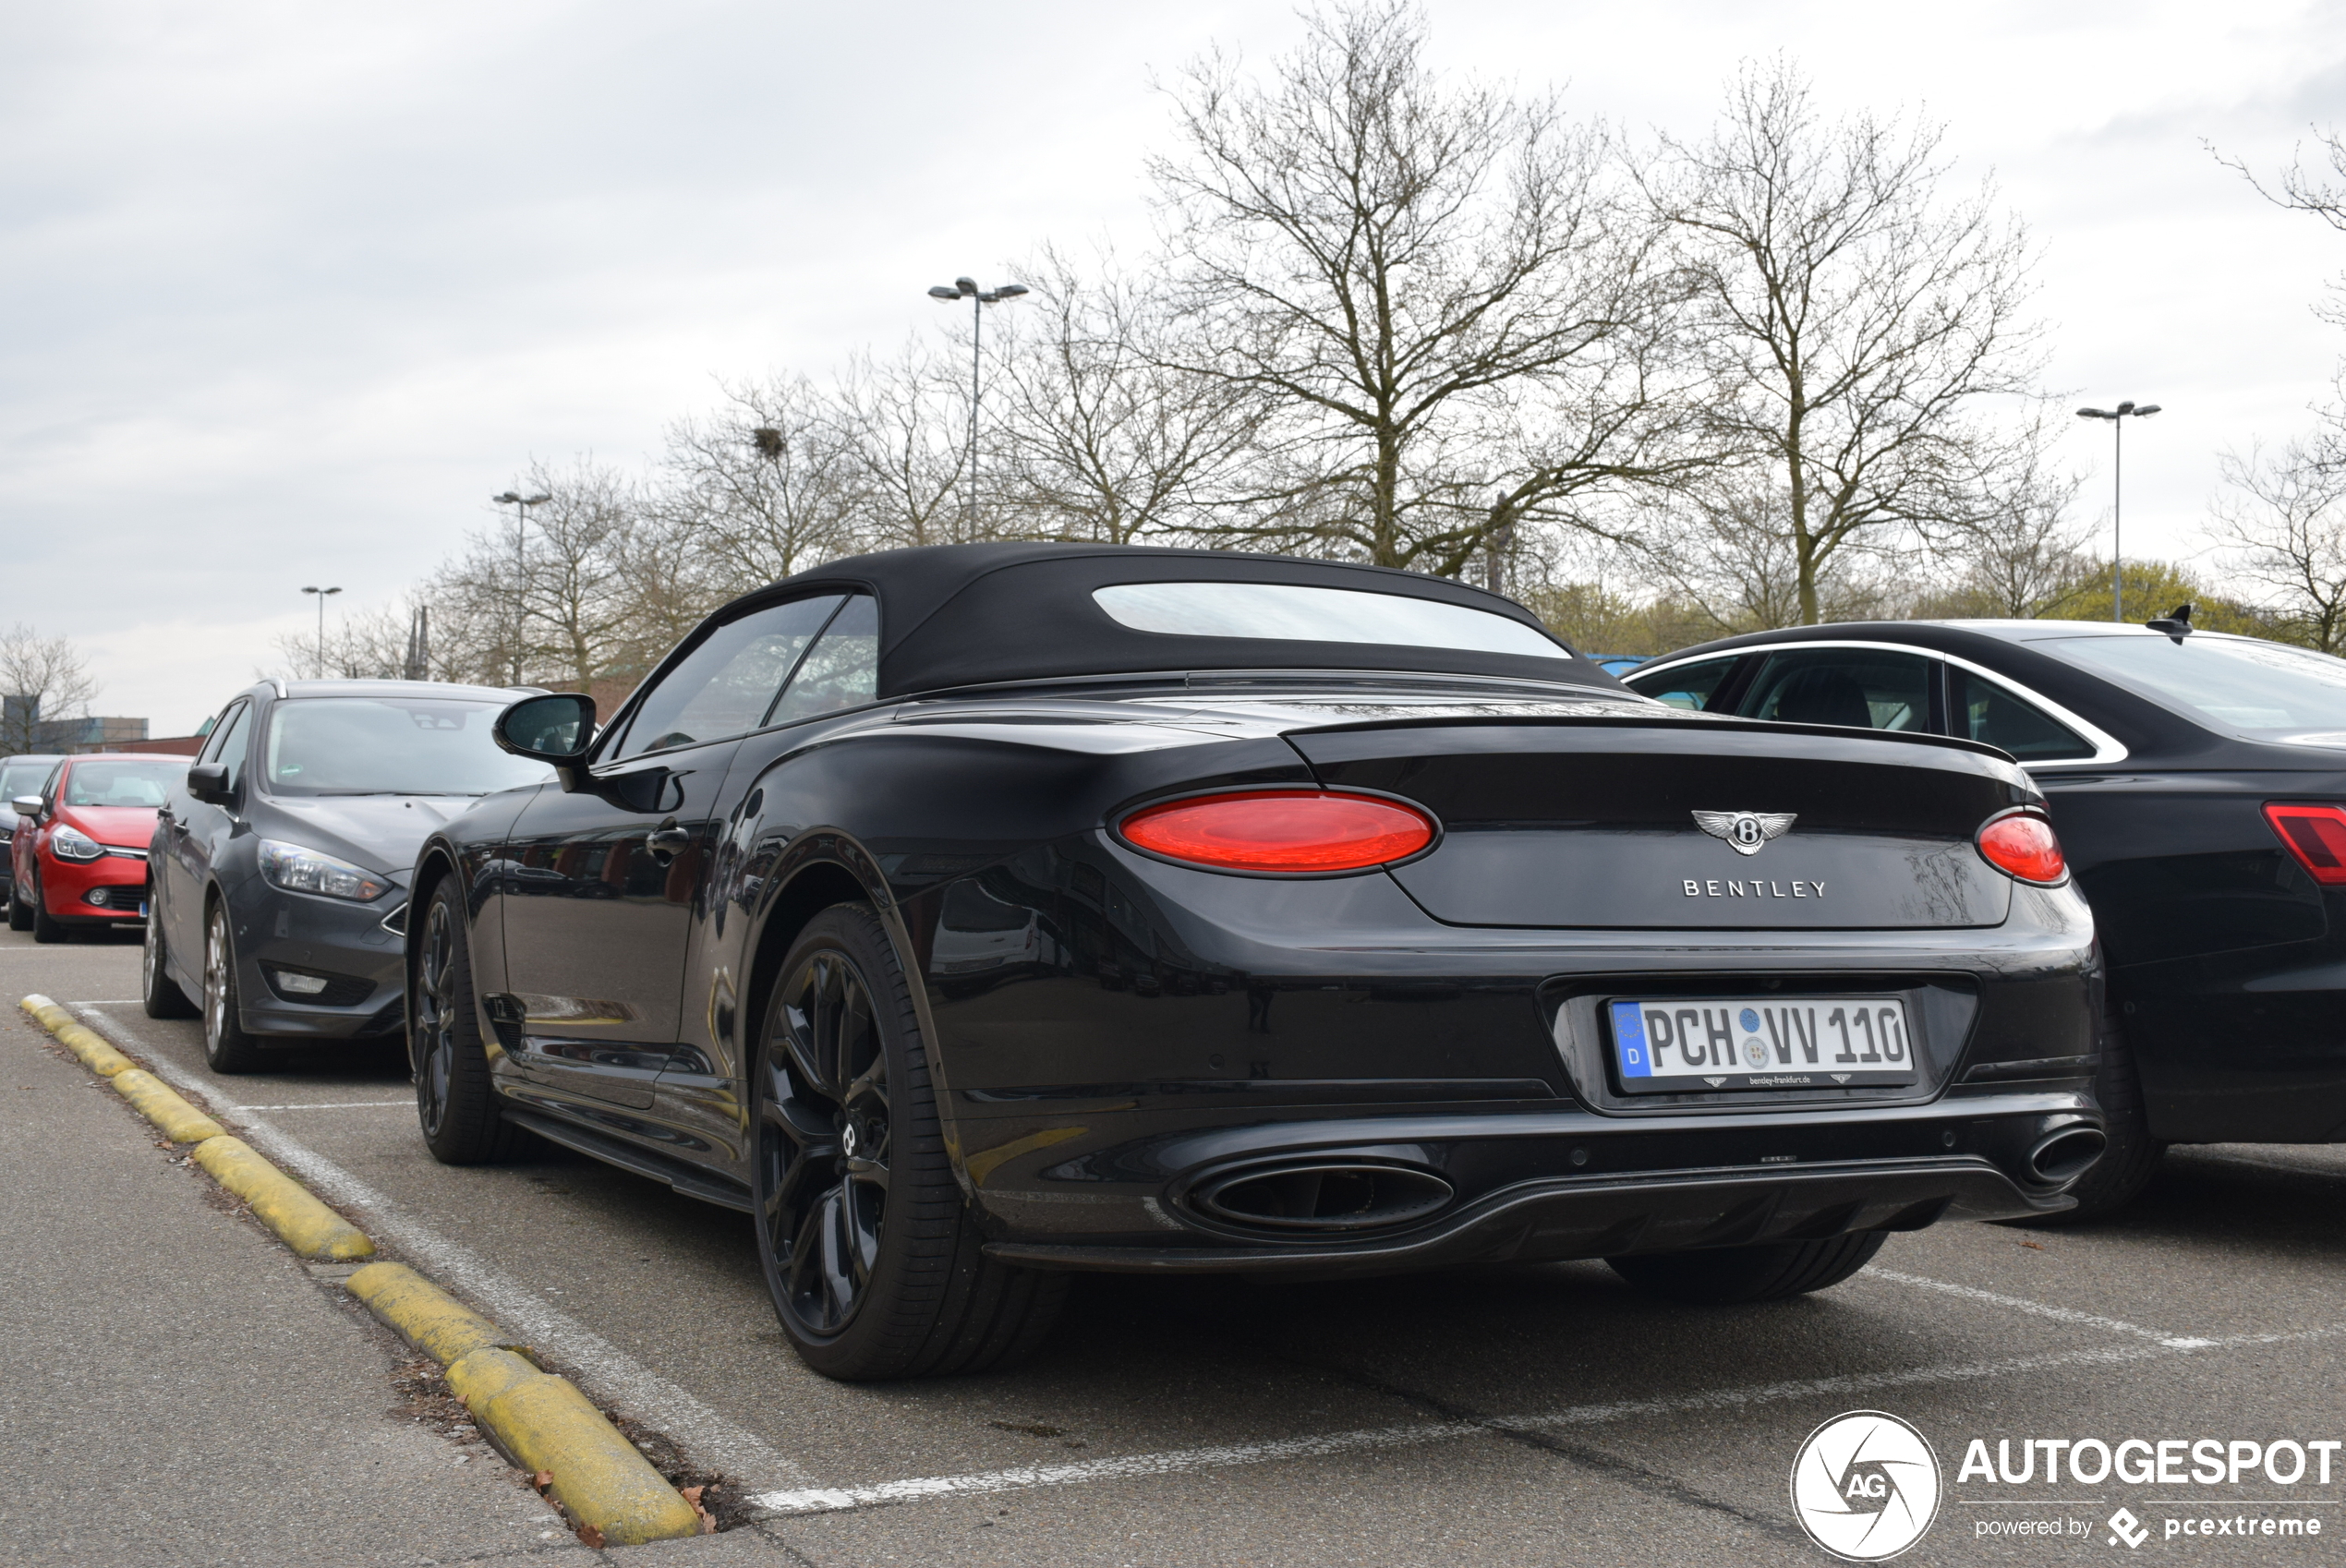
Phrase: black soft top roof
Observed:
(968, 615)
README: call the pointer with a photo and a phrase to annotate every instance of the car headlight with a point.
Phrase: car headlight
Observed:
(305, 871)
(68, 844)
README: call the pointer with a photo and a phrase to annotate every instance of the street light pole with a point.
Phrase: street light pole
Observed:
(521, 505)
(319, 672)
(2117, 417)
(966, 288)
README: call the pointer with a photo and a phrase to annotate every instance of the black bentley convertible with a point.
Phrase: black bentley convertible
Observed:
(974, 914)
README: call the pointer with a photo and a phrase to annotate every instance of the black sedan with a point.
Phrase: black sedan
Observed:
(978, 913)
(279, 857)
(2198, 782)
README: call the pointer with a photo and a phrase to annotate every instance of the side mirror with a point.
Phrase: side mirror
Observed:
(26, 805)
(557, 727)
(208, 784)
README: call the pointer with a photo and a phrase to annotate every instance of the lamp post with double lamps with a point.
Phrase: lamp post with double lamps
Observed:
(521, 505)
(966, 288)
(322, 596)
(2117, 417)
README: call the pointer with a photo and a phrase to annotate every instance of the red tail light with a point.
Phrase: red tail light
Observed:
(2023, 848)
(1281, 830)
(2316, 835)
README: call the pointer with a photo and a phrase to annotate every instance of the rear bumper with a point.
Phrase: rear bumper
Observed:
(1536, 1186)
(1611, 1216)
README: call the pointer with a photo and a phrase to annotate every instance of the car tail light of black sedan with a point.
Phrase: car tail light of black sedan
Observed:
(974, 915)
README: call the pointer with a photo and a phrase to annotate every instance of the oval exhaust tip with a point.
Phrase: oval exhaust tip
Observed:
(2066, 1155)
(1324, 1196)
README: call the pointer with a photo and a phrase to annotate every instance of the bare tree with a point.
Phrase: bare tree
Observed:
(2321, 193)
(1401, 269)
(767, 484)
(575, 594)
(909, 420)
(1728, 548)
(2020, 553)
(554, 605)
(1855, 323)
(2287, 524)
(1102, 436)
(43, 685)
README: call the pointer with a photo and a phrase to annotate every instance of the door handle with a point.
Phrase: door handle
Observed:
(667, 843)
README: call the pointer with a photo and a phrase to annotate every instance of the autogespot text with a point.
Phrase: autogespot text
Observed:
(2166, 1462)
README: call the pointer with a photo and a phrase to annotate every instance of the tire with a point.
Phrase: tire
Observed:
(19, 912)
(457, 1107)
(158, 992)
(1725, 1275)
(46, 928)
(2126, 1167)
(871, 1256)
(226, 1048)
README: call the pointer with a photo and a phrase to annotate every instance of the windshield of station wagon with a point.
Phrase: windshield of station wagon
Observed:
(2259, 691)
(1289, 612)
(389, 746)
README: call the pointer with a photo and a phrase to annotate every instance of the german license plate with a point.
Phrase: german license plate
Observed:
(1680, 1045)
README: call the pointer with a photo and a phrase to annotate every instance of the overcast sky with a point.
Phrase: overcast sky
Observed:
(291, 289)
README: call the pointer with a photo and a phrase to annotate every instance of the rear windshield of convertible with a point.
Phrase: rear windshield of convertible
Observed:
(1290, 613)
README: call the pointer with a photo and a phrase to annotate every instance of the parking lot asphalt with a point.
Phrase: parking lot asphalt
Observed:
(1532, 1414)
(180, 1389)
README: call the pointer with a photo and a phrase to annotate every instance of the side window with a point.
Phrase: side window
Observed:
(1687, 685)
(229, 744)
(725, 686)
(1860, 688)
(840, 670)
(217, 732)
(1983, 710)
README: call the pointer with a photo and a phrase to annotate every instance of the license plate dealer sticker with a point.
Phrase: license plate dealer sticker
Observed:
(1678, 1045)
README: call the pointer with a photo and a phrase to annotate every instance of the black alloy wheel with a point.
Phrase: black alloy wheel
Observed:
(158, 992)
(19, 912)
(871, 1256)
(227, 1048)
(827, 1125)
(455, 1102)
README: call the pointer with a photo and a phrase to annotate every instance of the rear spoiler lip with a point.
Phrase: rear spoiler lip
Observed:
(1648, 721)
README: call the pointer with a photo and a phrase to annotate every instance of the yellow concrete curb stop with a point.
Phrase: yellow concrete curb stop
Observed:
(539, 1421)
(160, 1104)
(284, 1204)
(95, 1054)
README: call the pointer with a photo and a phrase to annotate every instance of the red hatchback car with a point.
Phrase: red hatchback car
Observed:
(80, 857)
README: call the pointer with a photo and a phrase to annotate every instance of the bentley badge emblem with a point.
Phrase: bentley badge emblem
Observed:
(1745, 831)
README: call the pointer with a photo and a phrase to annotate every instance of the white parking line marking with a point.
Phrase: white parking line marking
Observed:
(2042, 1309)
(831, 1500)
(601, 1365)
(325, 1104)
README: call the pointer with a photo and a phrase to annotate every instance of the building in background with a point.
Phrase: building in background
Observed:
(26, 731)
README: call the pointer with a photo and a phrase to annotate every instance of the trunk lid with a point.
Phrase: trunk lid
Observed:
(1601, 822)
